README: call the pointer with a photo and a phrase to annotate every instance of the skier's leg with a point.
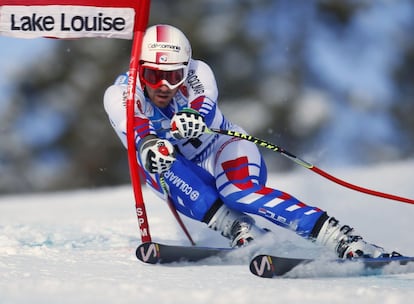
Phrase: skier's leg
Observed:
(191, 189)
(193, 193)
(241, 180)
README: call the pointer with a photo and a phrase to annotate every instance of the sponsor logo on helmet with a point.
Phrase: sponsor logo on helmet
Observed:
(163, 58)
(164, 46)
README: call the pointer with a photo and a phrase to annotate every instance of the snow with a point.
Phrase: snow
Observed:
(78, 246)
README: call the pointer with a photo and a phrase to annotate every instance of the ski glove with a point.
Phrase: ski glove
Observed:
(157, 155)
(187, 123)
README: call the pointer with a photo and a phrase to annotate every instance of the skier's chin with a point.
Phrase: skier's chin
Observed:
(162, 100)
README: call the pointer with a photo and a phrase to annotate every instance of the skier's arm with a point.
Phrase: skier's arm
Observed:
(202, 91)
(115, 107)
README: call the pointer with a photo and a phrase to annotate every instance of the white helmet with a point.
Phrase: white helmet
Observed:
(164, 49)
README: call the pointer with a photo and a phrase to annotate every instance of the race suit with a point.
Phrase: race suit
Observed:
(211, 168)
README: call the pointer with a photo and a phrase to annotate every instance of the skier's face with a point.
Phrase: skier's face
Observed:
(161, 96)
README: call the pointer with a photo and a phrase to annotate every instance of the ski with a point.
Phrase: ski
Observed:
(268, 266)
(157, 253)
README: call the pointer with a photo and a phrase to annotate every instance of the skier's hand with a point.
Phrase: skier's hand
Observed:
(187, 123)
(157, 155)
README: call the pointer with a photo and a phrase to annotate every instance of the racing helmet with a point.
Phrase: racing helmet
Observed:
(165, 57)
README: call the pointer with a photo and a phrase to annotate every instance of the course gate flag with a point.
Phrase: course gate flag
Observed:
(71, 19)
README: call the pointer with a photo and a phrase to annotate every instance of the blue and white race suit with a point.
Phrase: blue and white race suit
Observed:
(212, 167)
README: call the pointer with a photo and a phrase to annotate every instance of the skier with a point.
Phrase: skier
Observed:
(212, 178)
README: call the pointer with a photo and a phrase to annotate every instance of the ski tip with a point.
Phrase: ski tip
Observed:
(269, 266)
(262, 266)
(148, 253)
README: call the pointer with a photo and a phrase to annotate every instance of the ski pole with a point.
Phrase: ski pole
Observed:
(174, 211)
(268, 145)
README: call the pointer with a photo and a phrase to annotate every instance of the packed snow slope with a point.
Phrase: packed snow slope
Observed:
(78, 247)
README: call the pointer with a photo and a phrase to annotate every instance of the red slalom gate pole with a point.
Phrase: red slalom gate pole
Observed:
(141, 20)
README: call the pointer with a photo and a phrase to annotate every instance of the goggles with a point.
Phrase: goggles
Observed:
(171, 76)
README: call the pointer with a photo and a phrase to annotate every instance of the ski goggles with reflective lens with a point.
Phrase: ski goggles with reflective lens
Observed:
(155, 77)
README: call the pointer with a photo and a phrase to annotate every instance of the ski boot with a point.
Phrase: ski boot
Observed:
(346, 244)
(239, 227)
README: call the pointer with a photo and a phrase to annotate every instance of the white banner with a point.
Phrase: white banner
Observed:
(66, 21)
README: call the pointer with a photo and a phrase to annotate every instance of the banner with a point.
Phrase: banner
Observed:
(69, 19)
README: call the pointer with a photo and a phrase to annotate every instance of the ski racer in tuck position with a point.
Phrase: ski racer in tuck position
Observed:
(212, 178)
